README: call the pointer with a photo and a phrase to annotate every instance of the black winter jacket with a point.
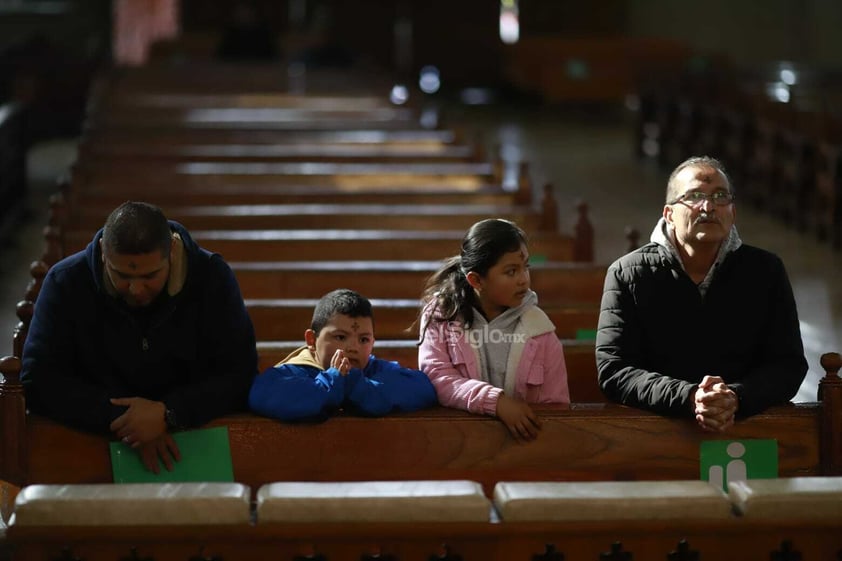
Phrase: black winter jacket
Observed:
(658, 337)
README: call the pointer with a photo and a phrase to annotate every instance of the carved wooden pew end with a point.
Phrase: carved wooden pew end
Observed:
(137, 504)
(373, 501)
(610, 500)
(800, 498)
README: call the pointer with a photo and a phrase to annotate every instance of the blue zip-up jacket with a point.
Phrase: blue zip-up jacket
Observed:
(195, 352)
(292, 392)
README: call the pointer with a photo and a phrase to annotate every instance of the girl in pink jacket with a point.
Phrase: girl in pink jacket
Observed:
(485, 344)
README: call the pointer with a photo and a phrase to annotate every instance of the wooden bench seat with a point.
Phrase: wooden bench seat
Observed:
(579, 358)
(562, 282)
(802, 498)
(251, 100)
(226, 78)
(372, 501)
(420, 139)
(289, 152)
(342, 245)
(287, 318)
(610, 500)
(137, 504)
(333, 216)
(260, 118)
(139, 176)
(248, 194)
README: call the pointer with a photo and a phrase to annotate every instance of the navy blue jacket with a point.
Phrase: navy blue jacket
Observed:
(196, 352)
(658, 337)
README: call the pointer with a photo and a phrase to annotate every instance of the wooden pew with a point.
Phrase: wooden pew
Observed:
(201, 77)
(284, 334)
(333, 216)
(113, 140)
(287, 318)
(476, 183)
(84, 216)
(244, 194)
(260, 118)
(581, 442)
(554, 282)
(688, 538)
(289, 152)
(141, 176)
(341, 245)
(579, 358)
(140, 100)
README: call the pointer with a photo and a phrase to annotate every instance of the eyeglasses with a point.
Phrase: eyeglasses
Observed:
(698, 198)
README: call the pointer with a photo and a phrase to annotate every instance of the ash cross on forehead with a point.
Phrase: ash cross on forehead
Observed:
(132, 265)
(355, 326)
(706, 175)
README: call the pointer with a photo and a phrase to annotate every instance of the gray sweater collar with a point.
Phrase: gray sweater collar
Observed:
(664, 236)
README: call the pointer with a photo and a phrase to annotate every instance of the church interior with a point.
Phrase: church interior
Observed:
(322, 143)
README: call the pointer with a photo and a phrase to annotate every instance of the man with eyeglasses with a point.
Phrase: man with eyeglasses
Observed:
(140, 334)
(695, 323)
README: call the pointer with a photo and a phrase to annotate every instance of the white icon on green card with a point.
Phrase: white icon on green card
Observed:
(725, 461)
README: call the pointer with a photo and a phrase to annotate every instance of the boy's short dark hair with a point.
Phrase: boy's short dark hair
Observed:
(340, 301)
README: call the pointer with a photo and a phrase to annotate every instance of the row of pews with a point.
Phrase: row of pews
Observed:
(777, 130)
(432, 520)
(310, 192)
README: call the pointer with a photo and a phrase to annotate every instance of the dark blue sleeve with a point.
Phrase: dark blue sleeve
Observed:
(292, 393)
(386, 386)
(228, 353)
(53, 385)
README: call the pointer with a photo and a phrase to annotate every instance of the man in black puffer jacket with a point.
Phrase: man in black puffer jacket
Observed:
(696, 323)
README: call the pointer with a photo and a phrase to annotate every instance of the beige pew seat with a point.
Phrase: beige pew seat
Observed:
(373, 501)
(609, 500)
(136, 504)
(792, 498)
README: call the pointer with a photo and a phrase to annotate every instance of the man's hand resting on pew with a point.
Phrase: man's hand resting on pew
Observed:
(714, 404)
(163, 447)
(143, 426)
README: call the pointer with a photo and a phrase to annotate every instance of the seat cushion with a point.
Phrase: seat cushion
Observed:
(373, 501)
(805, 498)
(610, 500)
(144, 504)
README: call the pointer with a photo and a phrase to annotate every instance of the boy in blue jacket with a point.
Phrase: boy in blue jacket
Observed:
(335, 369)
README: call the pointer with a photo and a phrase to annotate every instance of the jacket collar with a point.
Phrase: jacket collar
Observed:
(663, 235)
(177, 276)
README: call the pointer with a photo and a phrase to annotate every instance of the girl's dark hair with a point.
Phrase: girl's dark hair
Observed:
(448, 289)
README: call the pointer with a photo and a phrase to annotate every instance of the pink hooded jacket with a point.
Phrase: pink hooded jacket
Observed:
(452, 362)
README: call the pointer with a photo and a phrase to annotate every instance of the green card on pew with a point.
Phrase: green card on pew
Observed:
(585, 334)
(725, 461)
(205, 456)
